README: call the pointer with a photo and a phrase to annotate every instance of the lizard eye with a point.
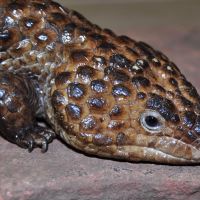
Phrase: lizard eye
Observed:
(152, 121)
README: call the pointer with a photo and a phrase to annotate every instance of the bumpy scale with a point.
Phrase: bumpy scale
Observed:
(103, 94)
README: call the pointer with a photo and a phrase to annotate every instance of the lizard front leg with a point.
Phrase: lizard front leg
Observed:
(19, 109)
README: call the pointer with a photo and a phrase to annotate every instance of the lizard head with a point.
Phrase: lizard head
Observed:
(168, 116)
(173, 117)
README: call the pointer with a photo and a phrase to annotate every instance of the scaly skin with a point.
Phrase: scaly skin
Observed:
(92, 88)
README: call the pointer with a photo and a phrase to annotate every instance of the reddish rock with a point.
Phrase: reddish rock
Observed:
(62, 174)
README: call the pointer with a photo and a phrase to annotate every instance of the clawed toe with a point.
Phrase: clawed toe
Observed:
(45, 145)
(30, 145)
(39, 137)
(40, 143)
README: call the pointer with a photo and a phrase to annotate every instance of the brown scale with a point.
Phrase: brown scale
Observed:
(104, 94)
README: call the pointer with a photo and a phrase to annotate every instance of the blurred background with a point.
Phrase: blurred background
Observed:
(172, 26)
(125, 14)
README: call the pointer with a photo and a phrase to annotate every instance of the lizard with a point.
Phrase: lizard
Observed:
(103, 94)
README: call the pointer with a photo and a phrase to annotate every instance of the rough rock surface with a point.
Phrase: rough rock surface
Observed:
(64, 174)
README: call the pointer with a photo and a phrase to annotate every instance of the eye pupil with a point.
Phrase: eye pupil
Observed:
(151, 121)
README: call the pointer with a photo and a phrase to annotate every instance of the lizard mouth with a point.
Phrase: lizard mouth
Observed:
(134, 153)
(160, 149)
(145, 148)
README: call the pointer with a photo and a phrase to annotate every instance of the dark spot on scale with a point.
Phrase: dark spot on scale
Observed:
(116, 111)
(85, 72)
(164, 106)
(109, 32)
(177, 92)
(191, 135)
(70, 27)
(173, 82)
(170, 69)
(42, 37)
(46, 35)
(58, 16)
(155, 61)
(118, 60)
(120, 76)
(196, 127)
(62, 78)
(131, 51)
(99, 61)
(121, 91)
(84, 30)
(88, 123)
(143, 64)
(102, 140)
(109, 70)
(39, 6)
(57, 98)
(97, 37)
(126, 39)
(2, 93)
(139, 66)
(175, 118)
(185, 102)
(106, 46)
(54, 4)
(96, 103)
(79, 55)
(197, 108)
(189, 119)
(76, 90)
(140, 81)
(192, 92)
(190, 89)
(5, 36)
(162, 56)
(115, 125)
(15, 6)
(159, 88)
(29, 23)
(147, 50)
(78, 15)
(186, 83)
(98, 86)
(5, 79)
(117, 75)
(121, 138)
(141, 95)
(73, 111)
(145, 45)
(13, 106)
